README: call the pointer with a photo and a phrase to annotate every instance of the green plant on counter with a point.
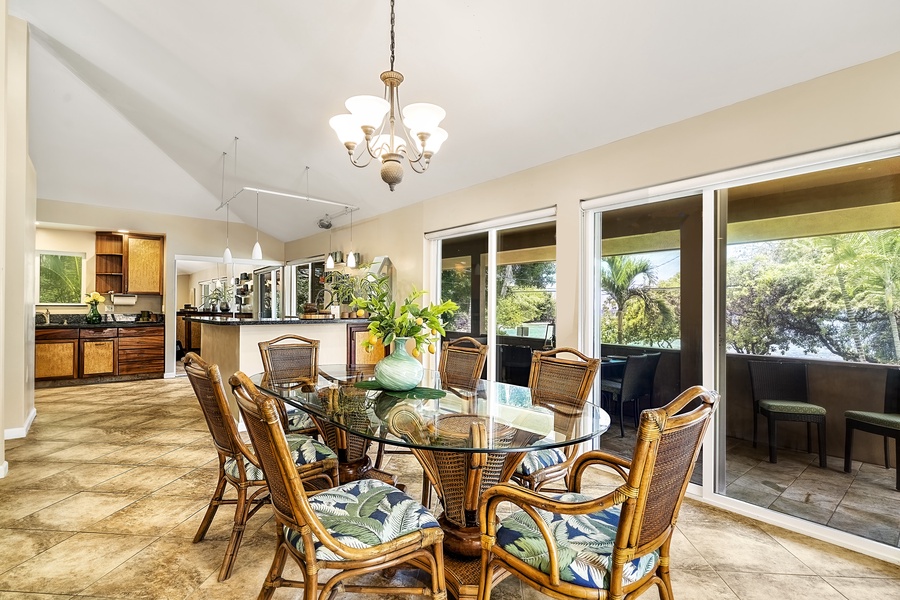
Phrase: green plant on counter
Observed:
(345, 287)
(222, 292)
(387, 321)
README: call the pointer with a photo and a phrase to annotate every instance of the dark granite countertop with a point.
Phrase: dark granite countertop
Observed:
(102, 325)
(296, 321)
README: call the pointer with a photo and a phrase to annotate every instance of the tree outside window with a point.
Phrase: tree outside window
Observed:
(60, 277)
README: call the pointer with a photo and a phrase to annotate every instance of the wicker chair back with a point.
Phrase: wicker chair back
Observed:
(462, 361)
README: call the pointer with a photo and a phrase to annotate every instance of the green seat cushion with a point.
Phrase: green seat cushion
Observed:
(888, 420)
(791, 407)
(304, 451)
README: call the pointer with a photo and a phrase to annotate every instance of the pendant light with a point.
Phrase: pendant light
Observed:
(351, 256)
(226, 257)
(257, 249)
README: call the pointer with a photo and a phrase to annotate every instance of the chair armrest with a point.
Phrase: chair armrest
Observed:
(529, 502)
(596, 457)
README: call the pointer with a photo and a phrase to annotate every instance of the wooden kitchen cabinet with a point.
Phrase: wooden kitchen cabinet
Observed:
(129, 263)
(55, 354)
(142, 350)
(99, 351)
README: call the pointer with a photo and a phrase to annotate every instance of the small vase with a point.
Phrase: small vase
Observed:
(93, 315)
(399, 371)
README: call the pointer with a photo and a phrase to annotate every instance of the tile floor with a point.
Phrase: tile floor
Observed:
(103, 498)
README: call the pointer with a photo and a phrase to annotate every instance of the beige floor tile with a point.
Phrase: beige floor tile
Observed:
(137, 454)
(144, 479)
(220, 529)
(250, 569)
(83, 452)
(28, 596)
(178, 437)
(23, 472)
(199, 483)
(865, 588)
(37, 449)
(78, 477)
(152, 515)
(74, 564)
(732, 546)
(169, 568)
(76, 512)
(18, 504)
(17, 546)
(753, 586)
(829, 560)
(187, 457)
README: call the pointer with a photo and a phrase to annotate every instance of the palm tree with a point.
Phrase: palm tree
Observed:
(625, 279)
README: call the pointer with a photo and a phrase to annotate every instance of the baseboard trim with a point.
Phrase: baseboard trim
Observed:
(4, 469)
(20, 432)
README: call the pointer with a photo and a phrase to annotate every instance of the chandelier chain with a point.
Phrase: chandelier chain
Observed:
(392, 35)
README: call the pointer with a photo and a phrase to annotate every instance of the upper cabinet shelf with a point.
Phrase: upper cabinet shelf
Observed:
(129, 263)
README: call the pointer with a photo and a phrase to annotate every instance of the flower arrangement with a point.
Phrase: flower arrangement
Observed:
(387, 321)
(93, 299)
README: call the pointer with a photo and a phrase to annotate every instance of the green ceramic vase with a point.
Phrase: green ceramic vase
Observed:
(93, 315)
(398, 371)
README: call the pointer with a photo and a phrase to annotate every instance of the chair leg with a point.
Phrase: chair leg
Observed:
(277, 568)
(379, 455)
(621, 416)
(237, 533)
(823, 460)
(848, 447)
(755, 426)
(635, 412)
(809, 436)
(214, 503)
(773, 439)
(887, 459)
(897, 459)
(426, 491)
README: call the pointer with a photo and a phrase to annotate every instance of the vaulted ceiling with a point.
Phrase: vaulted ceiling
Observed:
(133, 102)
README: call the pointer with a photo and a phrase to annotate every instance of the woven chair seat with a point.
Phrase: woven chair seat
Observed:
(585, 544)
(791, 407)
(299, 420)
(304, 451)
(540, 459)
(891, 421)
(363, 514)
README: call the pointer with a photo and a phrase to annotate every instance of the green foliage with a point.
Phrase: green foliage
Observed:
(387, 321)
(60, 279)
(523, 306)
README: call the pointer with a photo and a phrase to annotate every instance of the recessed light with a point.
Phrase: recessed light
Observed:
(122, 230)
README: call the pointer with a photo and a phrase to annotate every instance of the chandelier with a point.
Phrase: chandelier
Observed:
(416, 137)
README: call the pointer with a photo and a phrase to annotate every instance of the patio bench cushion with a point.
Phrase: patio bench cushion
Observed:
(362, 514)
(584, 543)
(791, 406)
(304, 451)
(891, 421)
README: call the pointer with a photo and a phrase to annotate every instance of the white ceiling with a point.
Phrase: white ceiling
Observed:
(132, 102)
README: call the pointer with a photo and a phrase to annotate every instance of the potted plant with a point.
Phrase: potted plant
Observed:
(344, 288)
(389, 323)
(218, 297)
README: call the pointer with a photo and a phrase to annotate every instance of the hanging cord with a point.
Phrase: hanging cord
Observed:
(224, 154)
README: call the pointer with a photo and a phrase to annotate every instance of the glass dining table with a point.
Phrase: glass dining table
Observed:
(466, 440)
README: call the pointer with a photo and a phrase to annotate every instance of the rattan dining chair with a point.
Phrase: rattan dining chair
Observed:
(635, 386)
(292, 359)
(358, 527)
(238, 466)
(780, 393)
(562, 382)
(612, 547)
(460, 366)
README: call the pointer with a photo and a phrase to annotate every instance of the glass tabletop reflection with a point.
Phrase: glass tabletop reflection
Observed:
(490, 417)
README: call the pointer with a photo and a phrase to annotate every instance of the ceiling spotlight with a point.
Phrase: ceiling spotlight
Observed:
(325, 222)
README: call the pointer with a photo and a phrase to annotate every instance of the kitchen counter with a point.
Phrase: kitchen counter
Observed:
(101, 325)
(323, 320)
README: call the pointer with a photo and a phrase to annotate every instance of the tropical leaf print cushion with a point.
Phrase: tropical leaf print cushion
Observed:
(584, 543)
(362, 514)
(540, 459)
(304, 450)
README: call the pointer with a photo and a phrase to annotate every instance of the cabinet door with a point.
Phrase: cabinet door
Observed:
(99, 357)
(144, 260)
(56, 359)
(141, 350)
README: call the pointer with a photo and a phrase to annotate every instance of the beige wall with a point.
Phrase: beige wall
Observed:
(850, 105)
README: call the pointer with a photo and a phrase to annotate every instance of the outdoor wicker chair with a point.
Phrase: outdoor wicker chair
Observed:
(635, 386)
(320, 532)
(561, 383)
(885, 424)
(780, 394)
(314, 462)
(293, 360)
(613, 547)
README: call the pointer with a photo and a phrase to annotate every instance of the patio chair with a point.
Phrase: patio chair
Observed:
(615, 546)
(635, 386)
(886, 424)
(565, 383)
(314, 462)
(293, 360)
(324, 531)
(780, 394)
